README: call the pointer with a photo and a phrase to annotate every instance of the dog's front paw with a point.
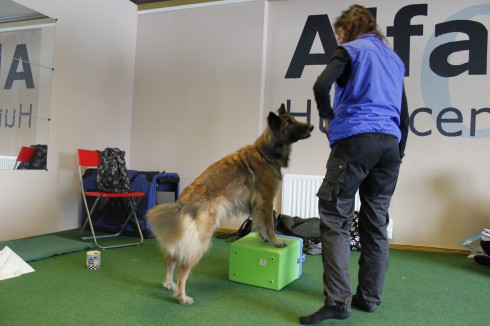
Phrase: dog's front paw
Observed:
(186, 300)
(280, 244)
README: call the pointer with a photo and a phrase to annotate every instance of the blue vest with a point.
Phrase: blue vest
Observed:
(371, 99)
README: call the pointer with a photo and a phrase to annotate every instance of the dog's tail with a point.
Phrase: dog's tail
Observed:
(166, 223)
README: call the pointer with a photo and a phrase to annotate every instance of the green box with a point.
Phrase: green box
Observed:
(256, 262)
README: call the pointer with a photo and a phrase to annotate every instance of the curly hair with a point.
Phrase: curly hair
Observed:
(356, 21)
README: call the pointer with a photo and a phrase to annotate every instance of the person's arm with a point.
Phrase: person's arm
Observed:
(404, 120)
(338, 65)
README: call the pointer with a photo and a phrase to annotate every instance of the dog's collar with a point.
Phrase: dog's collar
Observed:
(276, 165)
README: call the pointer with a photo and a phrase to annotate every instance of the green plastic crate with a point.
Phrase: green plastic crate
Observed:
(255, 262)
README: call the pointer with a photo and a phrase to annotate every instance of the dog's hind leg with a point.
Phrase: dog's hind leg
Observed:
(168, 283)
(184, 271)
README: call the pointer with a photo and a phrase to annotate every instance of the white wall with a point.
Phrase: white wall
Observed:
(91, 108)
(197, 87)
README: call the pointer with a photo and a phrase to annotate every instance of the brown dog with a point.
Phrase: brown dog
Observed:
(244, 182)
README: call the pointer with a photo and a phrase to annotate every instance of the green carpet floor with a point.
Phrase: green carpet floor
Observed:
(421, 289)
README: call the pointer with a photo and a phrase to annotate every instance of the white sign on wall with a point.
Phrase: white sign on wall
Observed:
(25, 87)
(444, 48)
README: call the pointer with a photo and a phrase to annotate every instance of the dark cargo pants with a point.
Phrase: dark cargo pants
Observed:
(369, 163)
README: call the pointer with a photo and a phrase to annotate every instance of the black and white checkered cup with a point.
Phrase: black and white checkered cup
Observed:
(93, 260)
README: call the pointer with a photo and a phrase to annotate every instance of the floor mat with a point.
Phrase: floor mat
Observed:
(41, 247)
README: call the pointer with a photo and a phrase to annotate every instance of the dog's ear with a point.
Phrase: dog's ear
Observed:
(273, 121)
(282, 109)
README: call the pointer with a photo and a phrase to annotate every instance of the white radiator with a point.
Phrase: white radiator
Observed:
(7, 162)
(299, 195)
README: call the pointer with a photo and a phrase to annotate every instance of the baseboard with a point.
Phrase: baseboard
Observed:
(430, 249)
(399, 247)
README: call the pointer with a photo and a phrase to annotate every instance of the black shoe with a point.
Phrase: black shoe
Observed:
(363, 305)
(325, 312)
(482, 259)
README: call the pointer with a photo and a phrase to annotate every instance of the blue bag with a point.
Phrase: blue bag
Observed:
(109, 215)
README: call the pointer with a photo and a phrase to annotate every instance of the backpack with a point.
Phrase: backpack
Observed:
(309, 230)
(112, 174)
(244, 229)
(38, 160)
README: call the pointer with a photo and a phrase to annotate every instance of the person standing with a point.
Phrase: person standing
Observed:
(367, 129)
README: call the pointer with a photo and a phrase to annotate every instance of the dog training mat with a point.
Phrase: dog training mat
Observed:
(41, 247)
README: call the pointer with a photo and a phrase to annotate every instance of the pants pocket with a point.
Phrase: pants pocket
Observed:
(330, 187)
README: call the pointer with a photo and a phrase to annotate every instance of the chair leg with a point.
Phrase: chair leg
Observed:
(88, 219)
(133, 204)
